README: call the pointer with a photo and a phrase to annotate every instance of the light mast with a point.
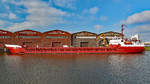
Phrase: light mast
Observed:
(122, 29)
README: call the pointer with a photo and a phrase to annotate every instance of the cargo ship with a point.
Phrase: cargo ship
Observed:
(115, 46)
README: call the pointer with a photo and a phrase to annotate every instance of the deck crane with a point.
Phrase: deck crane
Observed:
(104, 39)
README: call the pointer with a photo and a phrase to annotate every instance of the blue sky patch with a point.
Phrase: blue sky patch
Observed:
(76, 15)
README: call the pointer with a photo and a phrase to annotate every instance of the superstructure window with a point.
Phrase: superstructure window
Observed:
(56, 37)
(28, 37)
(4, 36)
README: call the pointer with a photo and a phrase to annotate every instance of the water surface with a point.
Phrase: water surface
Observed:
(75, 69)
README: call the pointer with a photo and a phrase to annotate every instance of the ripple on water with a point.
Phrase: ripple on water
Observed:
(75, 69)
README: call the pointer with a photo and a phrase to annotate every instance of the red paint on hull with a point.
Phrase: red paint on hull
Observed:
(117, 49)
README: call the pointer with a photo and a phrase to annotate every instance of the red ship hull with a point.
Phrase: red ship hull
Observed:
(110, 49)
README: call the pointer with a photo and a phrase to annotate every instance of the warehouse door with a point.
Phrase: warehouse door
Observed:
(84, 44)
(1, 44)
(27, 44)
(56, 44)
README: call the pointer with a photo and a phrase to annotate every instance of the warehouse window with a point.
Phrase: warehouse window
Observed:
(84, 44)
(27, 36)
(56, 37)
(4, 36)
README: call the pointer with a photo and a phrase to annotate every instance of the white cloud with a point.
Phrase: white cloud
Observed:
(98, 27)
(93, 10)
(12, 16)
(65, 3)
(4, 0)
(103, 18)
(40, 14)
(142, 30)
(138, 18)
(2, 22)
(3, 15)
(7, 7)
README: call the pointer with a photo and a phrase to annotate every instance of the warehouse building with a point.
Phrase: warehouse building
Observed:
(84, 39)
(5, 38)
(56, 38)
(28, 38)
(104, 38)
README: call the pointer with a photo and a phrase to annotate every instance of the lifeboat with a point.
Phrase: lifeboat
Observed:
(128, 42)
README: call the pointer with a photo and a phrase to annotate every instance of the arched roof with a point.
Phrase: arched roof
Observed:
(5, 32)
(27, 31)
(56, 32)
(84, 33)
(111, 33)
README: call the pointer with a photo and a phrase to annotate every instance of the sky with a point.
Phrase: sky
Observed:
(77, 15)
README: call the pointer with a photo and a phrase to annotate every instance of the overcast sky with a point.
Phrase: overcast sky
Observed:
(77, 15)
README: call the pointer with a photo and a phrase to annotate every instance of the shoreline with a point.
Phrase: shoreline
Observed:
(147, 48)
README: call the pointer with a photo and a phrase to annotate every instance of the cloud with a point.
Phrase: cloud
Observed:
(98, 27)
(8, 15)
(3, 15)
(93, 10)
(40, 14)
(4, 0)
(7, 7)
(2, 22)
(65, 3)
(142, 30)
(140, 22)
(141, 17)
(12, 16)
(103, 18)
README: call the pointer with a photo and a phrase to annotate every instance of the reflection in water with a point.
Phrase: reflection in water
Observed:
(118, 62)
(75, 69)
(12, 61)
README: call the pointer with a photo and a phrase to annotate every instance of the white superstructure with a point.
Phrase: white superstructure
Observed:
(14, 46)
(122, 43)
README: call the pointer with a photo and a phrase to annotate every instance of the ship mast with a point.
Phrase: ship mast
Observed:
(122, 29)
